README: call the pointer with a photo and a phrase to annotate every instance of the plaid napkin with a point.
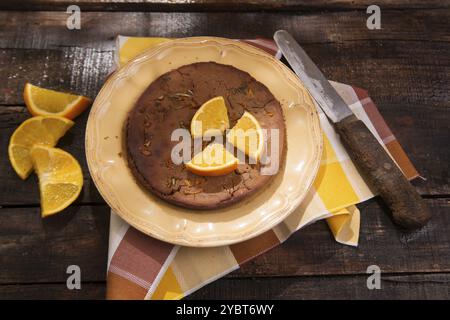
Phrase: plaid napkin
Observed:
(140, 267)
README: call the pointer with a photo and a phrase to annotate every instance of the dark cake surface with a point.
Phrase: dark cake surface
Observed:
(169, 103)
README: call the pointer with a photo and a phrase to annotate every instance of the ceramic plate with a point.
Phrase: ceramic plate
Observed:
(176, 225)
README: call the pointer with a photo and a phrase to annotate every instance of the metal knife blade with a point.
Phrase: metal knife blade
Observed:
(318, 86)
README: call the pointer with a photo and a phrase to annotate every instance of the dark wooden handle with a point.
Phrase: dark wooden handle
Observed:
(407, 206)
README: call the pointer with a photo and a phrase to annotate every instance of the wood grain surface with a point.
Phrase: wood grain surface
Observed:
(218, 5)
(405, 66)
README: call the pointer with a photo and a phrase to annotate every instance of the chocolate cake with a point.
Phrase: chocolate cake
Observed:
(170, 102)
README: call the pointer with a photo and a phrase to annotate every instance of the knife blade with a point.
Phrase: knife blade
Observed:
(407, 207)
(318, 86)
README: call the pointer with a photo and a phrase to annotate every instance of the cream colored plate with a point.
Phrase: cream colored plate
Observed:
(169, 223)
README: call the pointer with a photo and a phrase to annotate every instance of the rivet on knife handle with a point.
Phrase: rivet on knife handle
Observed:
(407, 206)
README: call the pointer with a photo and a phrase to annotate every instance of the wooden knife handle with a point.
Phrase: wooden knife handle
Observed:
(407, 207)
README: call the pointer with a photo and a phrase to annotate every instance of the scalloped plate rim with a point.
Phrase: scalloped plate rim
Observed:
(153, 229)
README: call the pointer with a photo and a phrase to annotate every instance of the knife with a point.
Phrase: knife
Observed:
(407, 207)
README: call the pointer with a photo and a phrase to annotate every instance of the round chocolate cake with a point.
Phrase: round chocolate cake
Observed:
(169, 103)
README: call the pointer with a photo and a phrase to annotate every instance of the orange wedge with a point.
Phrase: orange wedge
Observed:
(214, 160)
(45, 130)
(60, 178)
(210, 119)
(41, 102)
(247, 136)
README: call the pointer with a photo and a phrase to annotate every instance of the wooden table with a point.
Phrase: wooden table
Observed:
(405, 66)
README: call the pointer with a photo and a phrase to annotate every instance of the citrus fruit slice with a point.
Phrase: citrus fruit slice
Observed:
(214, 160)
(46, 130)
(247, 136)
(210, 119)
(60, 178)
(41, 102)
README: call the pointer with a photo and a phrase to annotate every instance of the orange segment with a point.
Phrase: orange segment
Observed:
(214, 160)
(42, 102)
(34, 131)
(210, 119)
(247, 136)
(60, 178)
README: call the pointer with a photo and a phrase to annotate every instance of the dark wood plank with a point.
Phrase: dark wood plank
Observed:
(312, 250)
(52, 291)
(215, 5)
(427, 148)
(34, 250)
(75, 69)
(405, 287)
(47, 30)
(40, 250)
(394, 72)
(415, 286)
